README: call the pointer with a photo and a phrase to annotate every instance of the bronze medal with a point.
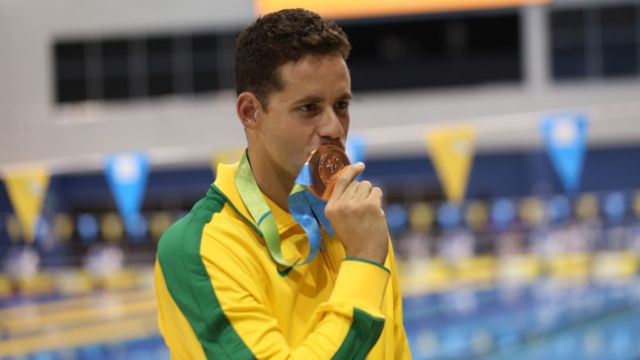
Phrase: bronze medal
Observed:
(325, 163)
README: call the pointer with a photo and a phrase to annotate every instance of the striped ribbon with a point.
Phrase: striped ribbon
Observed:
(305, 208)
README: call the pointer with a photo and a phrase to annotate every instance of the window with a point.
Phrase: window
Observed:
(115, 69)
(126, 68)
(432, 51)
(569, 44)
(204, 62)
(594, 42)
(424, 51)
(71, 71)
(619, 35)
(160, 66)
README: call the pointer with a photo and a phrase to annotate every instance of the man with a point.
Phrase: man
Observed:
(221, 295)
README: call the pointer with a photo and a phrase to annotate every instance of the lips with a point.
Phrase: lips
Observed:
(337, 143)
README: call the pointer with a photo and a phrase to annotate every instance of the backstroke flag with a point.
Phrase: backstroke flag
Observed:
(127, 175)
(27, 189)
(451, 150)
(565, 137)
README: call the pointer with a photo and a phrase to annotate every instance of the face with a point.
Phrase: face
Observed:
(311, 109)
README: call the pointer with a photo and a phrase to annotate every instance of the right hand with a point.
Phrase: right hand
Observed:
(355, 213)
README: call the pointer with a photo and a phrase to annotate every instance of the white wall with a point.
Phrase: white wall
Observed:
(108, 17)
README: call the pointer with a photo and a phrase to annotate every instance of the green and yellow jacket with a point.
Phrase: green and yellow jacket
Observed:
(221, 296)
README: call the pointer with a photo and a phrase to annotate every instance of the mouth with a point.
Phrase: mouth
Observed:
(337, 143)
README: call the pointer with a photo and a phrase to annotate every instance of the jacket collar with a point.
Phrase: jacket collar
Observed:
(225, 174)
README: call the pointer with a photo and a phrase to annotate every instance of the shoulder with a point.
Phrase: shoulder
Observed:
(212, 227)
(185, 234)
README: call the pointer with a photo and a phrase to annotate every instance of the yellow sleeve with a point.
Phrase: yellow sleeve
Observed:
(402, 350)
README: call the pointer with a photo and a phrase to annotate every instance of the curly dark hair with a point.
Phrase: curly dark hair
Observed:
(280, 37)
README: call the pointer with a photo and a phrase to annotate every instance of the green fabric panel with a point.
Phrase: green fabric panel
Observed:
(363, 335)
(189, 284)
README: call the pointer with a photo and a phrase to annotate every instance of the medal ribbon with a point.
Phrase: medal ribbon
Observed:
(305, 208)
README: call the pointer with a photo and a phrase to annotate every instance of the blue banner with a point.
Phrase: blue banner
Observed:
(127, 175)
(565, 137)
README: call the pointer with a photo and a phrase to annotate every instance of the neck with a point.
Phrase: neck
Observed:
(272, 179)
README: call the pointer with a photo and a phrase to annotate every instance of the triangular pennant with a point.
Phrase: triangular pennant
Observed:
(127, 175)
(565, 138)
(27, 189)
(452, 151)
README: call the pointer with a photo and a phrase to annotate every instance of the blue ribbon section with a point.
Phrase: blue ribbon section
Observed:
(308, 211)
(304, 177)
(317, 206)
(301, 211)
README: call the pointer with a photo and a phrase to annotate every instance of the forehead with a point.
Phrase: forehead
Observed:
(320, 74)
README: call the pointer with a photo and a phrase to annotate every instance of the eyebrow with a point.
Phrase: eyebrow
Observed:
(308, 99)
(315, 99)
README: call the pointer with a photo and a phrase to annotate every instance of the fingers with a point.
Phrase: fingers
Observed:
(350, 192)
(346, 179)
(363, 190)
(357, 190)
(375, 194)
(374, 199)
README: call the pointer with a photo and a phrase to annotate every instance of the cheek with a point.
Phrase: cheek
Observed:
(287, 143)
(345, 126)
(298, 134)
(292, 136)
(296, 146)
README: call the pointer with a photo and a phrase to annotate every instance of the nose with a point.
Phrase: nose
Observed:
(332, 129)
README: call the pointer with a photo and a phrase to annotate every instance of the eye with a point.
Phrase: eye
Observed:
(308, 108)
(342, 105)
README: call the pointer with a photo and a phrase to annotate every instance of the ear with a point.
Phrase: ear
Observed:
(248, 108)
